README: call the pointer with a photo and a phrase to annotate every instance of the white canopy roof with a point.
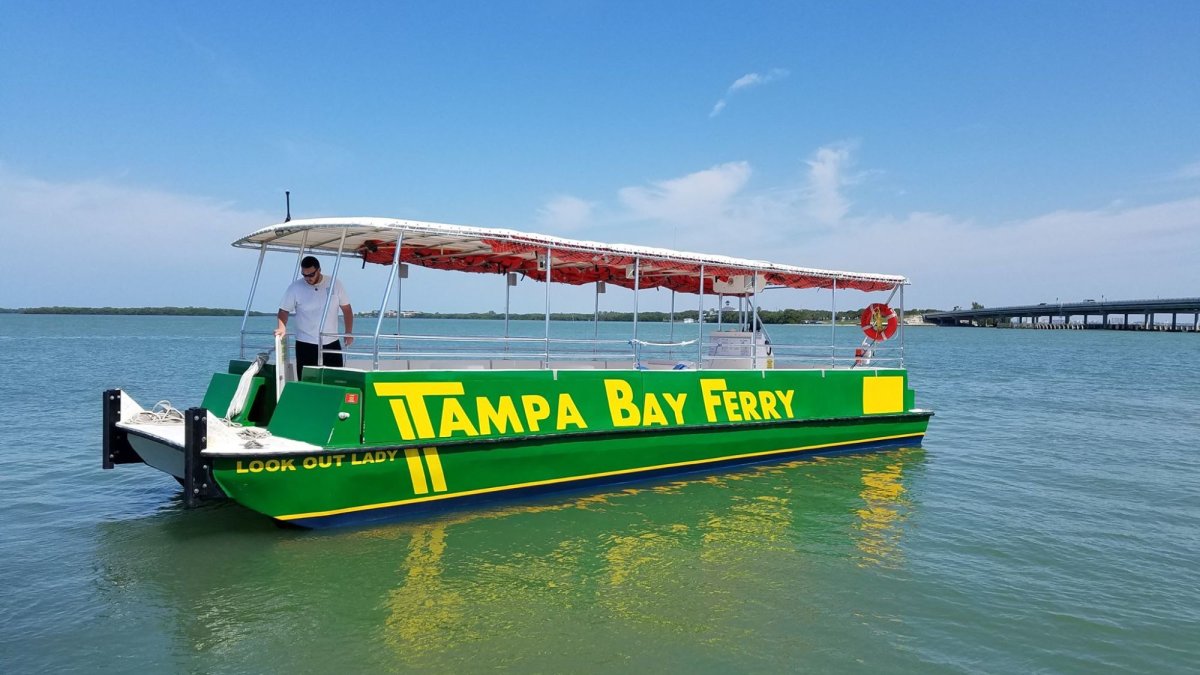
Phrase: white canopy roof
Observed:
(489, 250)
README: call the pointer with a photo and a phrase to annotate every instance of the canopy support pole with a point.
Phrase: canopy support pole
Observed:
(300, 255)
(833, 325)
(387, 294)
(508, 279)
(671, 329)
(337, 262)
(549, 271)
(700, 323)
(637, 284)
(596, 317)
(262, 252)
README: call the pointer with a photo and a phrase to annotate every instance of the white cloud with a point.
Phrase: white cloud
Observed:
(100, 242)
(564, 214)
(754, 79)
(746, 82)
(106, 242)
(1189, 172)
(826, 177)
(1121, 250)
(699, 198)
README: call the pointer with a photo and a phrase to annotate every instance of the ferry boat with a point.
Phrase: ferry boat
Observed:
(414, 421)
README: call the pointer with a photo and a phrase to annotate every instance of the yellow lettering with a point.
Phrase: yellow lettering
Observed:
(675, 401)
(391, 455)
(413, 394)
(620, 404)
(731, 405)
(501, 417)
(240, 468)
(785, 397)
(708, 390)
(454, 418)
(749, 405)
(767, 400)
(654, 412)
(288, 464)
(568, 413)
(537, 408)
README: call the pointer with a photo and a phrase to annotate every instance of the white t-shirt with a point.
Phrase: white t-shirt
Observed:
(305, 302)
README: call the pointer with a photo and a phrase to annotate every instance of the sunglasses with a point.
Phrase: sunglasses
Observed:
(310, 274)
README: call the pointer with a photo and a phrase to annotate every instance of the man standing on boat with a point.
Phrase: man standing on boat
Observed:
(305, 297)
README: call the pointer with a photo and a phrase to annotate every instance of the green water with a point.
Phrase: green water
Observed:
(1050, 523)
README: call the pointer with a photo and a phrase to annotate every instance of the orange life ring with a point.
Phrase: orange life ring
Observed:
(879, 322)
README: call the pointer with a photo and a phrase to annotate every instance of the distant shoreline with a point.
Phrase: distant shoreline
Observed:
(132, 311)
(786, 316)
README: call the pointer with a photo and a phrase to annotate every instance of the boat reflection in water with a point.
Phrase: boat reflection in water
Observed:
(686, 558)
(704, 564)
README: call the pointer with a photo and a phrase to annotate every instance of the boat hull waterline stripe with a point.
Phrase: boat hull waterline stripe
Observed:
(606, 474)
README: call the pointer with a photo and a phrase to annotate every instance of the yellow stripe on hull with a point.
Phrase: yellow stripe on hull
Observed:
(439, 482)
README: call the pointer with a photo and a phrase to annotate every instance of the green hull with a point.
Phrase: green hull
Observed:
(405, 441)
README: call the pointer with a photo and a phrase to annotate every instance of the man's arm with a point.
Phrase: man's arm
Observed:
(281, 324)
(348, 316)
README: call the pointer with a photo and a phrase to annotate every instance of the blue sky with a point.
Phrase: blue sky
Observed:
(1005, 153)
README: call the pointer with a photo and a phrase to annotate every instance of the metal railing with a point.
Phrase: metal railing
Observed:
(387, 351)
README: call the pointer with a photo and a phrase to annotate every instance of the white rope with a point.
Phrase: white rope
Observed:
(164, 413)
(253, 436)
(161, 413)
(645, 343)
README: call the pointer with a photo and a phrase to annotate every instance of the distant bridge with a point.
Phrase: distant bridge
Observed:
(1106, 314)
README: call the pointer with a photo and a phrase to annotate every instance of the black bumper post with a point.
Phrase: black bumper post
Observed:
(198, 481)
(115, 448)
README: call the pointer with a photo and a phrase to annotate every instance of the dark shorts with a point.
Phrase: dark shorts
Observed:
(306, 355)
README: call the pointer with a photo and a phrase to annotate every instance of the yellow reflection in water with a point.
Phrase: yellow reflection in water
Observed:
(881, 516)
(424, 608)
(632, 569)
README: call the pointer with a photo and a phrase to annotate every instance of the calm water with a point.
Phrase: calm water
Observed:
(1050, 523)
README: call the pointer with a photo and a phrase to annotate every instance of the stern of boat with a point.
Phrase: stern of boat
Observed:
(174, 446)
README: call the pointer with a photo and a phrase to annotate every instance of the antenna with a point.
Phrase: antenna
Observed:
(288, 196)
